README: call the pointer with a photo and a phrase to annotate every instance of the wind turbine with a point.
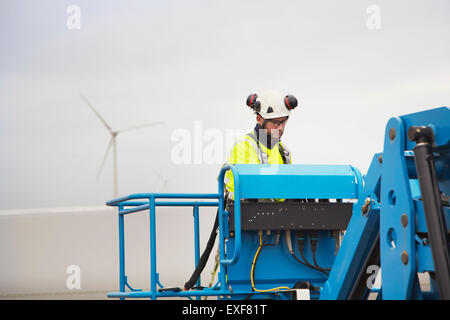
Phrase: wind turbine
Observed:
(113, 143)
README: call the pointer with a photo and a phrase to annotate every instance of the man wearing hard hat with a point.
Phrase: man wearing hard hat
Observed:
(263, 145)
(260, 146)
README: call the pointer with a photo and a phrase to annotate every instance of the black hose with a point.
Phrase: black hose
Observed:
(311, 266)
(205, 255)
(315, 263)
(432, 206)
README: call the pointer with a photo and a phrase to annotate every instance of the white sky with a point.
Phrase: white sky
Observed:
(187, 61)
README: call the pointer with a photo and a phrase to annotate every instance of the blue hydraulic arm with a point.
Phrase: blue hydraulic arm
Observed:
(401, 196)
(401, 220)
(361, 233)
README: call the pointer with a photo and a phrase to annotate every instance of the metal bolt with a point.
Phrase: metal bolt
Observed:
(365, 207)
(404, 220)
(405, 258)
(392, 133)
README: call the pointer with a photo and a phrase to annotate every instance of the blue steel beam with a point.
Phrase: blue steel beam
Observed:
(397, 241)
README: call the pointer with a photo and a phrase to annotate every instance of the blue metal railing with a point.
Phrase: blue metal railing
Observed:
(147, 201)
(150, 204)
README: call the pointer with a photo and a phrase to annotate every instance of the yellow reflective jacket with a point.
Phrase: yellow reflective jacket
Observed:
(248, 150)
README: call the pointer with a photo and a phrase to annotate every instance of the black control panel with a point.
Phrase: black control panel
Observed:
(292, 215)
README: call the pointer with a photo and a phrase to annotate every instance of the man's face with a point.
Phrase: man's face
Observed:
(274, 127)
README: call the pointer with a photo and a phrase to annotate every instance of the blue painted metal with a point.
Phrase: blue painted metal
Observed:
(275, 266)
(286, 182)
(153, 247)
(437, 118)
(150, 204)
(302, 178)
(295, 181)
(393, 192)
(400, 278)
(197, 239)
(396, 200)
(121, 252)
(237, 212)
(360, 234)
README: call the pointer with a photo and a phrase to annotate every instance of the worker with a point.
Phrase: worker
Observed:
(263, 145)
(260, 146)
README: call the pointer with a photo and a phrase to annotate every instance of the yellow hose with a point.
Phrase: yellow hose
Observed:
(253, 267)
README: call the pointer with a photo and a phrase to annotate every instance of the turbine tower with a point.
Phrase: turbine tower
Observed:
(113, 143)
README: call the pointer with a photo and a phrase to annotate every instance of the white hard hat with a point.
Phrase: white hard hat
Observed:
(272, 104)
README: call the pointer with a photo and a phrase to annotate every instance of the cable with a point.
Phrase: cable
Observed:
(300, 245)
(204, 258)
(214, 272)
(311, 266)
(315, 263)
(313, 249)
(300, 240)
(216, 267)
(252, 274)
(291, 251)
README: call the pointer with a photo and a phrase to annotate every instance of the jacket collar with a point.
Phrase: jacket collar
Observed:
(267, 141)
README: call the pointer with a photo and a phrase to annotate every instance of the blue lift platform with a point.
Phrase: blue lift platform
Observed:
(320, 228)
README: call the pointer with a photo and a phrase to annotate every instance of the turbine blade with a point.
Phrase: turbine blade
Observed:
(105, 156)
(95, 111)
(141, 126)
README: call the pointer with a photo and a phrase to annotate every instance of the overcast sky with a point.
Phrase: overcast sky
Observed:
(192, 65)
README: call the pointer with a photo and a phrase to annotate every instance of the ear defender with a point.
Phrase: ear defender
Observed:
(290, 102)
(253, 103)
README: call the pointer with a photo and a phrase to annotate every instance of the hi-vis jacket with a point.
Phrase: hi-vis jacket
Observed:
(248, 150)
